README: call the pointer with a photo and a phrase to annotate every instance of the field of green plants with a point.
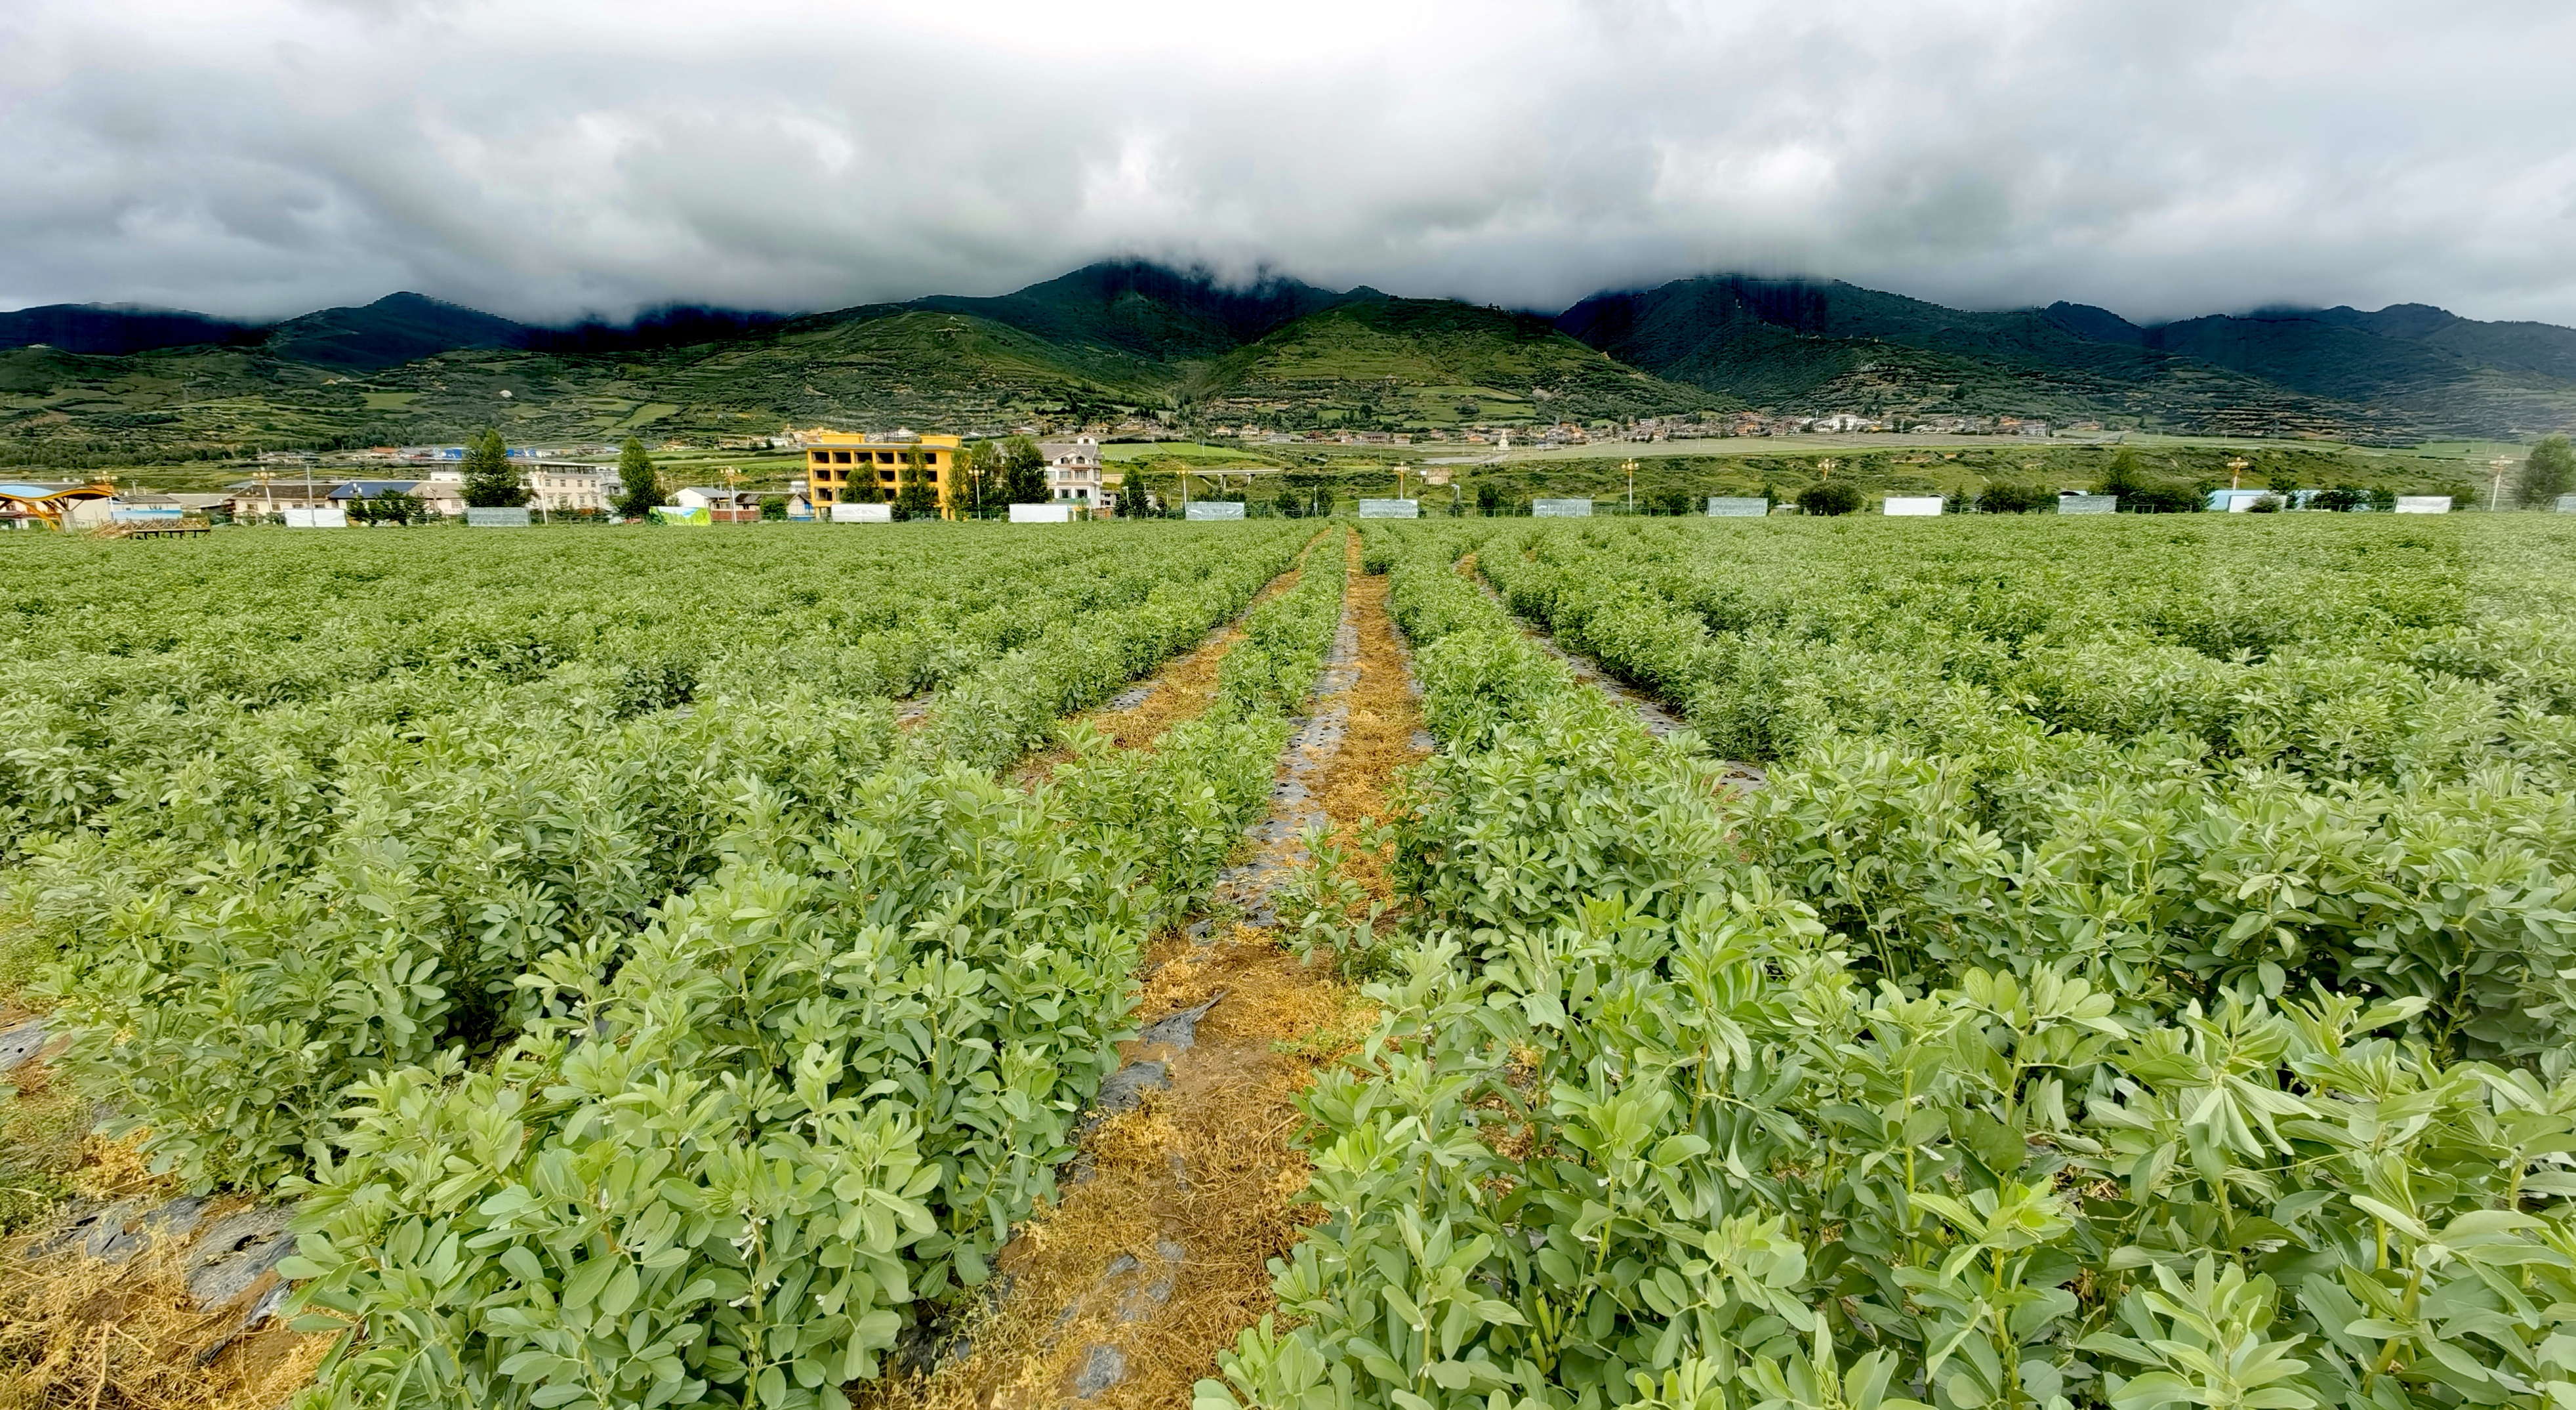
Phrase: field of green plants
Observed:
(2144, 978)
(643, 1013)
(2145, 974)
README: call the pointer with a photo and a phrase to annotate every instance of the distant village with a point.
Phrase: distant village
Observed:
(569, 482)
(580, 482)
(1659, 428)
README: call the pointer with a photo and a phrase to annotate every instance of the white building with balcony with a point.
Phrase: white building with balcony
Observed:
(563, 487)
(1073, 473)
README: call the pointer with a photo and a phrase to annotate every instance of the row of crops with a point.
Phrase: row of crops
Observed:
(2143, 980)
(626, 952)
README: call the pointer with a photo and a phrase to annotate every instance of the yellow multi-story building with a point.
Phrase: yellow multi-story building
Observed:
(838, 465)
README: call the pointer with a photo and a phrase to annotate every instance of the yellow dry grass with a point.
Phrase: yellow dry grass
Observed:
(1378, 743)
(1207, 1165)
(80, 1334)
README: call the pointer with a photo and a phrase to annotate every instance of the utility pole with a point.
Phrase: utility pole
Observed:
(2495, 496)
(1631, 468)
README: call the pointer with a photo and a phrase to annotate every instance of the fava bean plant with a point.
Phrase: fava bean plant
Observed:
(641, 1006)
(2203, 1048)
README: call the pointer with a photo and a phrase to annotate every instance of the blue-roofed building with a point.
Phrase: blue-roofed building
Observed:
(347, 490)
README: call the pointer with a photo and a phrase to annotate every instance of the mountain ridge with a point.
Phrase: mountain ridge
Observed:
(1128, 338)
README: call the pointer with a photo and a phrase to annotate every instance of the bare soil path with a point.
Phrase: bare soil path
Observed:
(1157, 1257)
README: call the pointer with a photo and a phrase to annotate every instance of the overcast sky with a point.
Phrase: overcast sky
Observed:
(2162, 158)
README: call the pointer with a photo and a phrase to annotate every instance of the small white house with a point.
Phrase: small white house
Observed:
(723, 506)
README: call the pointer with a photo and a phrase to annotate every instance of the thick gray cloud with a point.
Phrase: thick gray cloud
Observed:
(263, 157)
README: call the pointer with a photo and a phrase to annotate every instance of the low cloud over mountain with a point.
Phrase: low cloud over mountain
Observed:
(545, 162)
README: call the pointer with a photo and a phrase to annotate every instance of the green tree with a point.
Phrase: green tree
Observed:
(1489, 500)
(491, 481)
(398, 507)
(2005, 497)
(1023, 472)
(1829, 497)
(982, 479)
(914, 496)
(2162, 497)
(2545, 475)
(2123, 477)
(643, 486)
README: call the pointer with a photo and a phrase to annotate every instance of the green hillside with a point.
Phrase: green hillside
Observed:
(908, 367)
(916, 367)
(2404, 372)
(2438, 373)
(1379, 362)
(1397, 363)
(1835, 347)
(1125, 341)
(395, 329)
(1148, 311)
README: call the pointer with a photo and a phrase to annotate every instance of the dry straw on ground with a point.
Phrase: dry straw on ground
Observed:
(1211, 1167)
(77, 1333)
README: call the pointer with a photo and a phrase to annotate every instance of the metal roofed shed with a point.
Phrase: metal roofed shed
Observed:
(54, 504)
